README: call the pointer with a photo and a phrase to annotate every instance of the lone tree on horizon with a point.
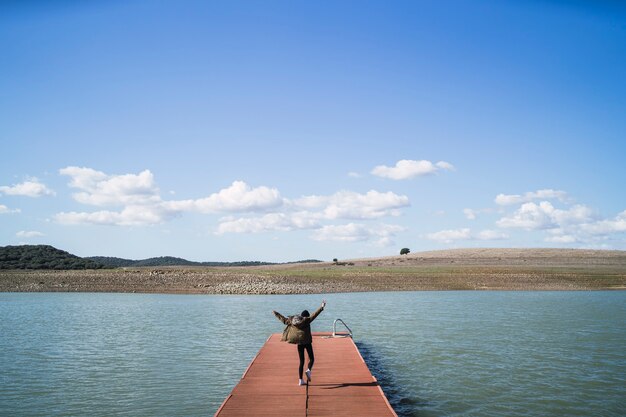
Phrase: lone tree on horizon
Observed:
(404, 251)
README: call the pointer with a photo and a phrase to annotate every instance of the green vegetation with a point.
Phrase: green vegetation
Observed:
(113, 262)
(42, 257)
(405, 251)
(49, 257)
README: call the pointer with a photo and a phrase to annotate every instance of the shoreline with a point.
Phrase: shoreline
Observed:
(317, 281)
(456, 269)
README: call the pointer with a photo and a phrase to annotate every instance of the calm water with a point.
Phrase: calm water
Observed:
(435, 353)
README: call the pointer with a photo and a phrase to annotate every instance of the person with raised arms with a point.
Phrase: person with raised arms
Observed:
(298, 332)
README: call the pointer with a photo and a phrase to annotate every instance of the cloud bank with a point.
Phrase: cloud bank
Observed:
(547, 211)
(545, 194)
(141, 203)
(352, 205)
(135, 200)
(574, 223)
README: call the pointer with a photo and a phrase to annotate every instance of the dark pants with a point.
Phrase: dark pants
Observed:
(309, 351)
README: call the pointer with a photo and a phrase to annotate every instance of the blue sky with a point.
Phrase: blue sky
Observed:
(288, 130)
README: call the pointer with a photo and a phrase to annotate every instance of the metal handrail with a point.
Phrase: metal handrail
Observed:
(344, 325)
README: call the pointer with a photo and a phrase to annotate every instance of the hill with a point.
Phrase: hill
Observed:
(114, 262)
(174, 261)
(503, 257)
(42, 257)
(49, 257)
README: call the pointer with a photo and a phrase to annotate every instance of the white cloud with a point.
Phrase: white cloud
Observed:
(5, 210)
(407, 169)
(559, 237)
(83, 178)
(575, 224)
(545, 194)
(352, 205)
(28, 234)
(469, 213)
(532, 216)
(137, 194)
(491, 235)
(343, 233)
(606, 226)
(30, 188)
(445, 166)
(141, 203)
(135, 200)
(310, 211)
(354, 174)
(239, 197)
(472, 214)
(100, 189)
(269, 222)
(450, 236)
(129, 216)
(381, 235)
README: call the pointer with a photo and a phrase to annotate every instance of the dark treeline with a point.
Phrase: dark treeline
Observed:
(173, 261)
(42, 257)
(167, 261)
(49, 257)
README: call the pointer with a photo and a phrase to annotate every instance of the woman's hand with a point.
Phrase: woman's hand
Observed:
(323, 303)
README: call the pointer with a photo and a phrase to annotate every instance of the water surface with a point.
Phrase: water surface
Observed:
(435, 353)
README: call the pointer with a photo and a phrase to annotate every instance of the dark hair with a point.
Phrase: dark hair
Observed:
(305, 313)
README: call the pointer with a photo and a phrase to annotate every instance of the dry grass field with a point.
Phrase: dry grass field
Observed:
(459, 269)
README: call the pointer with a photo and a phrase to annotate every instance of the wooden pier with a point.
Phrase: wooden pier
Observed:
(342, 384)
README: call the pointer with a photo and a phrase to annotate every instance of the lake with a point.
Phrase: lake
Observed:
(435, 353)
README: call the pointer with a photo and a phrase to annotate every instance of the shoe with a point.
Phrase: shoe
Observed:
(308, 375)
(301, 382)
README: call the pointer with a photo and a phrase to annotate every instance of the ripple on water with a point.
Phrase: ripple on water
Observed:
(434, 353)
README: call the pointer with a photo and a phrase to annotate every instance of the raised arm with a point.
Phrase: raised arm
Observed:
(318, 311)
(281, 317)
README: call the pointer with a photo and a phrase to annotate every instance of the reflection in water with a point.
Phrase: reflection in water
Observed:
(401, 400)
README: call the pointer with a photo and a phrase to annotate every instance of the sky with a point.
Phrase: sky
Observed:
(288, 130)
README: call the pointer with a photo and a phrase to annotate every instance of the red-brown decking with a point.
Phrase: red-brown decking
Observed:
(341, 385)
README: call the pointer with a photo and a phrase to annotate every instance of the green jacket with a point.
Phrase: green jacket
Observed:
(298, 330)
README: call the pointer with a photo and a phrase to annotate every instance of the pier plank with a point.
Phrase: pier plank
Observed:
(342, 385)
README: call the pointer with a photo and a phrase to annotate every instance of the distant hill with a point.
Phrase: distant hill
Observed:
(42, 257)
(165, 261)
(173, 261)
(111, 261)
(49, 257)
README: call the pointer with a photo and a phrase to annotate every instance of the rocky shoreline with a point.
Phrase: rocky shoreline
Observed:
(170, 280)
(331, 279)
(459, 269)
